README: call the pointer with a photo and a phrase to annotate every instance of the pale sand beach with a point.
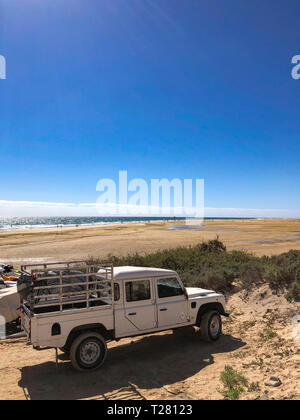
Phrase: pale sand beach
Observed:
(262, 237)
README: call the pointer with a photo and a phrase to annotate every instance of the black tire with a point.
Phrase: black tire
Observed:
(211, 326)
(88, 351)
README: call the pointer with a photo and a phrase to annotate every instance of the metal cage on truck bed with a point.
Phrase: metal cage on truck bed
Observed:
(58, 287)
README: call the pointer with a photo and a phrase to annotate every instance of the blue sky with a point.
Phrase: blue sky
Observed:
(161, 88)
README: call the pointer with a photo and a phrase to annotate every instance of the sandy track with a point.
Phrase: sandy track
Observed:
(150, 367)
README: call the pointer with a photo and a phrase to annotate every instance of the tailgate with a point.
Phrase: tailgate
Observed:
(26, 320)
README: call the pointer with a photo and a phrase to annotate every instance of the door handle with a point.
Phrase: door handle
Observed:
(163, 310)
(132, 313)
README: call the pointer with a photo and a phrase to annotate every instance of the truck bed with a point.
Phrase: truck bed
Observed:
(52, 289)
(39, 327)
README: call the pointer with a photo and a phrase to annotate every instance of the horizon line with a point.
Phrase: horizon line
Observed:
(10, 208)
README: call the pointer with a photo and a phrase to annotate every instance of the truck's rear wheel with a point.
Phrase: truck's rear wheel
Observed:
(211, 326)
(88, 351)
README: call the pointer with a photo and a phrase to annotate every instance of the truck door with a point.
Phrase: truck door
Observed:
(139, 305)
(172, 305)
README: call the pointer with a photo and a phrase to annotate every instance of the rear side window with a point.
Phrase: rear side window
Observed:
(138, 290)
(168, 287)
(116, 291)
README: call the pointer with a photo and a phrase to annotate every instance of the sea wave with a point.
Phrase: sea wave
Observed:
(21, 223)
(29, 223)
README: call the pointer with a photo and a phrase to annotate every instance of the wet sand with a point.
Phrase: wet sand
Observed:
(262, 237)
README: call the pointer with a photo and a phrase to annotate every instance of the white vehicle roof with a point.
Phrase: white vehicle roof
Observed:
(128, 272)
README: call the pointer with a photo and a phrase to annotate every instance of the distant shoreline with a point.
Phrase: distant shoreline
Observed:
(262, 237)
(18, 224)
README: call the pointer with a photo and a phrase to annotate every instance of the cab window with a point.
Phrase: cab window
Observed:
(137, 290)
(168, 287)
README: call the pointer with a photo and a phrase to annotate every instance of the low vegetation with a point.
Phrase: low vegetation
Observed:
(268, 334)
(210, 265)
(233, 383)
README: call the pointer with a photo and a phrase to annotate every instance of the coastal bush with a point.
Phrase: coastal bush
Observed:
(251, 276)
(213, 246)
(210, 278)
(210, 265)
(293, 292)
(282, 272)
(233, 382)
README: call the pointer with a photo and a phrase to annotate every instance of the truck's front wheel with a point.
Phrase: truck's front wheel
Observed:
(88, 351)
(211, 326)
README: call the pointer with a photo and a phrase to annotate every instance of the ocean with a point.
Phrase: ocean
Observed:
(24, 223)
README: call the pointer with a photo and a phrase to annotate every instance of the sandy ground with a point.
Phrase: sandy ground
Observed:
(170, 365)
(268, 236)
(167, 365)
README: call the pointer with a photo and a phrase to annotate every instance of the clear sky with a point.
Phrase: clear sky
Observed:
(160, 88)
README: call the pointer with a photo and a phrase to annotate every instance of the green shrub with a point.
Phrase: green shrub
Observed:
(251, 276)
(282, 272)
(217, 279)
(233, 382)
(293, 291)
(231, 378)
(233, 394)
(213, 246)
(280, 277)
(268, 334)
(209, 265)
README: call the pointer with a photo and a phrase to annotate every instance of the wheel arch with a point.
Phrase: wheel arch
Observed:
(96, 327)
(217, 306)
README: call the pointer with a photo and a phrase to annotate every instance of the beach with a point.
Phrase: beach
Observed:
(262, 237)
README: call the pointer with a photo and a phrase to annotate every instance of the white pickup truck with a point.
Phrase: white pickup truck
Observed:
(79, 308)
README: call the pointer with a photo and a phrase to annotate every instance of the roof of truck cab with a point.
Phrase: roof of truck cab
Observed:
(128, 272)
